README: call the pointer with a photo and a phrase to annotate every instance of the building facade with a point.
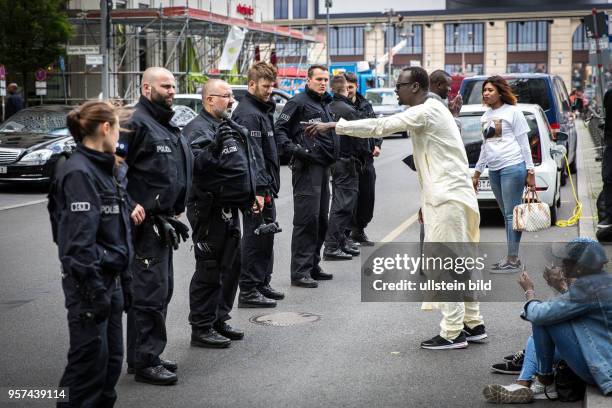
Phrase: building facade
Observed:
(467, 36)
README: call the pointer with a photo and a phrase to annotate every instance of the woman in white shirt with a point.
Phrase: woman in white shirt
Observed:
(505, 151)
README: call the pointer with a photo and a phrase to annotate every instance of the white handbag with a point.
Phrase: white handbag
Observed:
(531, 216)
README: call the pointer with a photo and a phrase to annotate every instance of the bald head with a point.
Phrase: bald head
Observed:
(159, 86)
(217, 97)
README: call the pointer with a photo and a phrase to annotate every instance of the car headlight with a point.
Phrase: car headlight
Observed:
(36, 158)
(40, 157)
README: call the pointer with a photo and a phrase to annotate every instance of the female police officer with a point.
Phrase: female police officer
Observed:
(90, 218)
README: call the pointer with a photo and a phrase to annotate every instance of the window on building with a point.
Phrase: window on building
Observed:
(346, 41)
(527, 36)
(120, 4)
(414, 42)
(466, 37)
(284, 50)
(526, 67)
(143, 5)
(477, 69)
(580, 42)
(281, 9)
(300, 8)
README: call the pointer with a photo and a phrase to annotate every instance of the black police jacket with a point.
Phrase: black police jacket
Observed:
(342, 108)
(608, 119)
(364, 107)
(310, 107)
(90, 219)
(258, 118)
(226, 171)
(159, 159)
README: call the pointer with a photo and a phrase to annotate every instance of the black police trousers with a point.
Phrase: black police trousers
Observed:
(96, 350)
(214, 284)
(606, 173)
(345, 191)
(152, 287)
(365, 201)
(310, 210)
(257, 250)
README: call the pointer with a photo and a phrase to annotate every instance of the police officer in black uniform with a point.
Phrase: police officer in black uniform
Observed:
(256, 113)
(223, 184)
(90, 219)
(310, 174)
(367, 174)
(160, 165)
(345, 182)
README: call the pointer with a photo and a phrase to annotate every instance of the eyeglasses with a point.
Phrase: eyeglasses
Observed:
(399, 85)
(231, 96)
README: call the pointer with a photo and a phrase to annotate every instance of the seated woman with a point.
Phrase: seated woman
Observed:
(575, 327)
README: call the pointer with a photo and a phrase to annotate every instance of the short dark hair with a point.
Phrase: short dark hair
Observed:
(418, 75)
(350, 77)
(337, 82)
(315, 66)
(261, 70)
(438, 76)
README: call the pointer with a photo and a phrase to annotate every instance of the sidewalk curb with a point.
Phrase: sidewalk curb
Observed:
(587, 225)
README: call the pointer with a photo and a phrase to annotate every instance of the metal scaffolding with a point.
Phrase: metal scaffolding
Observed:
(187, 41)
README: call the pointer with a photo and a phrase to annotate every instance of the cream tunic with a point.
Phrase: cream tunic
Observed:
(439, 157)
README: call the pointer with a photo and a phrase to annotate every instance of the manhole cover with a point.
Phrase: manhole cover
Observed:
(283, 319)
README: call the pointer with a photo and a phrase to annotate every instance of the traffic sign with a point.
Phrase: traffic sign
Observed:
(93, 60)
(2, 72)
(41, 75)
(82, 49)
(2, 87)
(62, 63)
(41, 88)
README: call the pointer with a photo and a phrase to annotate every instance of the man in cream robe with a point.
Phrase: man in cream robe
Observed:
(448, 200)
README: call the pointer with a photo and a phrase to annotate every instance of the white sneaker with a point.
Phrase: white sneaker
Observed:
(508, 394)
(538, 390)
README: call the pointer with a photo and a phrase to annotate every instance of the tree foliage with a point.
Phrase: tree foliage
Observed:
(33, 33)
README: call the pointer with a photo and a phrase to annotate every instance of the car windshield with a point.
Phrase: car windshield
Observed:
(527, 90)
(193, 103)
(35, 121)
(381, 98)
(471, 133)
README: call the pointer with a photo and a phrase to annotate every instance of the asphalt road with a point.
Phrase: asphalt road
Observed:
(356, 355)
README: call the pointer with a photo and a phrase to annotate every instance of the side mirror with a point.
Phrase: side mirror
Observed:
(558, 150)
(562, 137)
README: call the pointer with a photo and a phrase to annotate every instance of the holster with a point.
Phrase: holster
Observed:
(230, 249)
(202, 210)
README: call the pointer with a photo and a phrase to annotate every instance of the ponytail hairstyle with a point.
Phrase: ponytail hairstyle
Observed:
(83, 121)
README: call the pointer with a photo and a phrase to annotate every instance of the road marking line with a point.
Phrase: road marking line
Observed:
(10, 207)
(400, 228)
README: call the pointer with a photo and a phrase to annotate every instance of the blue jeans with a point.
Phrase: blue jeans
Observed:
(508, 184)
(530, 362)
(562, 337)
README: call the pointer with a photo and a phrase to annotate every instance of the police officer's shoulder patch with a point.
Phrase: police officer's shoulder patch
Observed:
(285, 117)
(82, 206)
(255, 133)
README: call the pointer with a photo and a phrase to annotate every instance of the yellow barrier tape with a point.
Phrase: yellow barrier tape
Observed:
(577, 213)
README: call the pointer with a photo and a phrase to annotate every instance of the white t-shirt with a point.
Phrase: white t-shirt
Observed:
(506, 143)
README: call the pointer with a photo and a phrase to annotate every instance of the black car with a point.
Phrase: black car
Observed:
(33, 142)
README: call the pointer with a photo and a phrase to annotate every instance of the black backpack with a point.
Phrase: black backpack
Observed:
(570, 387)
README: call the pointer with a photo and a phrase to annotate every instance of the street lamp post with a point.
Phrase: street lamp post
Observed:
(328, 4)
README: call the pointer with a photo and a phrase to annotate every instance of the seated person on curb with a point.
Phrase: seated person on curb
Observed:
(574, 327)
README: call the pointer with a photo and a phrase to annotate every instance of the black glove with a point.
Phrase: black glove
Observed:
(224, 132)
(181, 229)
(302, 154)
(128, 297)
(100, 309)
(166, 231)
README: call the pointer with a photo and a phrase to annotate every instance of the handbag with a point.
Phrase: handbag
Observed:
(569, 386)
(532, 215)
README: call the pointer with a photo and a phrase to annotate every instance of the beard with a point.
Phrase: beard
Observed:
(159, 99)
